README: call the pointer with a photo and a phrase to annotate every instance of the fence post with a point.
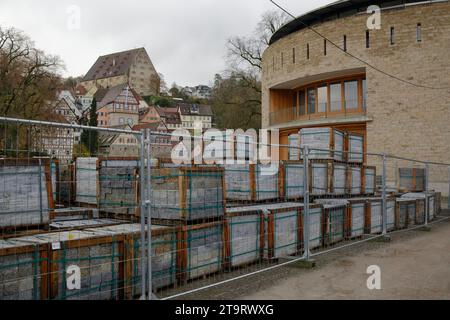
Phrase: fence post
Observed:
(142, 195)
(149, 213)
(397, 178)
(384, 196)
(40, 191)
(306, 224)
(427, 205)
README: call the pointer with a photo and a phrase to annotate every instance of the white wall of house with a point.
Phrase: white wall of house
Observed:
(191, 122)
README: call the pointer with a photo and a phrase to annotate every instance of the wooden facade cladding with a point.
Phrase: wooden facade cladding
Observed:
(289, 105)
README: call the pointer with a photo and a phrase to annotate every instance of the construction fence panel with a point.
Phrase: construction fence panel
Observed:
(70, 209)
(327, 194)
(144, 214)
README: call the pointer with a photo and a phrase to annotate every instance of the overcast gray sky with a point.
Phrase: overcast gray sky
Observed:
(185, 39)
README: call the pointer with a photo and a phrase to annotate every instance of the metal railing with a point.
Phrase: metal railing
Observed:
(321, 111)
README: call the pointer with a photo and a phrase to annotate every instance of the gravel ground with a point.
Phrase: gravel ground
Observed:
(414, 265)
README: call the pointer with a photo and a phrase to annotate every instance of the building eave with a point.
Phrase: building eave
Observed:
(322, 122)
(340, 9)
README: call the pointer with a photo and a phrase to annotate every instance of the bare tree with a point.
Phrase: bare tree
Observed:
(71, 83)
(271, 21)
(245, 53)
(237, 93)
(29, 78)
(163, 90)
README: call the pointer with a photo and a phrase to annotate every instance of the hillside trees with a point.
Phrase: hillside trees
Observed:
(89, 138)
(237, 93)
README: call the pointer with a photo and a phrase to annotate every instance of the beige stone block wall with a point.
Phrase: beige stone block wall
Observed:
(105, 83)
(407, 121)
(143, 76)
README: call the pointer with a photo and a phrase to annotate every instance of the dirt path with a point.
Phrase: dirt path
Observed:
(415, 265)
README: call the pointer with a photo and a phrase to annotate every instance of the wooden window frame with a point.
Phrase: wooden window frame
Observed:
(328, 112)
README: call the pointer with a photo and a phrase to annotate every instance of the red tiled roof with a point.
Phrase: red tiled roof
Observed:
(187, 109)
(171, 115)
(80, 90)
(151, 126)
(113, 93)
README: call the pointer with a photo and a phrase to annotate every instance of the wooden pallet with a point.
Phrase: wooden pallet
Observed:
(400, 205)
(8, 232)
(181, 223)
(252, 192)
(351, 215)
(354, 179)
(254, 202)
(181, 181)
(61, 213)
(335, 143)
(327, 231)
(365, 180)
(118, 216)
(355, 142)
(417, 177)
(89, 224)
(184, 250)
(229, 234)
(283, 179)
(101, 163)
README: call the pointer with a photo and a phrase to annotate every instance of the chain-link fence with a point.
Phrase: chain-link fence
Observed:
(75, 206)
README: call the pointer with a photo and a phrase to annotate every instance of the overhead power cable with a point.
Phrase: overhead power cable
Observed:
(356, 57)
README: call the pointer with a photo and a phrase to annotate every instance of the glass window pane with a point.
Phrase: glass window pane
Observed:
(367, 39)
(351, 95)
(322, 98)
(302, 98)
(392, 36)
(335, 97)
(311, 100)
(419, 32)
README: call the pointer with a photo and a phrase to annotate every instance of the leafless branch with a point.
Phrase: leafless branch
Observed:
(28, 77)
